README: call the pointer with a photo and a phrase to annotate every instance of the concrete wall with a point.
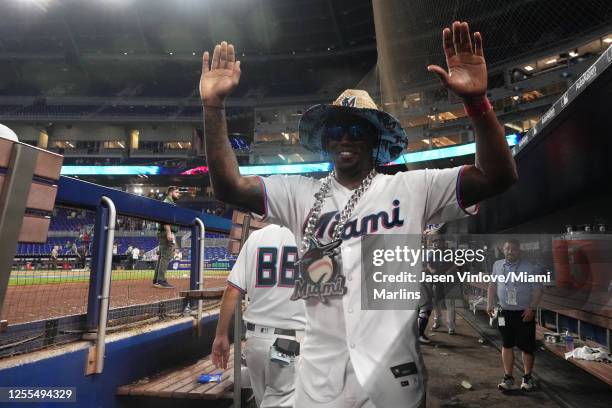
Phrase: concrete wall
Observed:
(100, 132)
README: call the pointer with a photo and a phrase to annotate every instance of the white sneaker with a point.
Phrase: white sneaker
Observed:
(507, 384)
(528, 384)
(435, 325)
(451, 331)
(423, 339)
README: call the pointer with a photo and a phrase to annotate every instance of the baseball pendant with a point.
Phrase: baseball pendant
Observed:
(320, 275)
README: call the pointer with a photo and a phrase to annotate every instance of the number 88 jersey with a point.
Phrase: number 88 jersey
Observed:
(266, 271)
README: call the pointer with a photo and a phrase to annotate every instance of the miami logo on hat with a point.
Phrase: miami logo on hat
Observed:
(348, 101)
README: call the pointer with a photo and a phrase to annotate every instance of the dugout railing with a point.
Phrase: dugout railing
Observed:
(74, 193)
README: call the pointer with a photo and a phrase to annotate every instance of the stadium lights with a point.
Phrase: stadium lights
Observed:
(121, 144)
(551, 61)
(301, 168)
(109, 170)
(528, 68)
(607, 40)
(40, 3)
(445, 152)
(513, 126)
(573, 54)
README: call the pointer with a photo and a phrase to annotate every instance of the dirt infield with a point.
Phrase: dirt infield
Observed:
(36, 302)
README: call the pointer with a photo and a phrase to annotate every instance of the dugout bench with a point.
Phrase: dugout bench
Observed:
(559, 302)
(181, 383)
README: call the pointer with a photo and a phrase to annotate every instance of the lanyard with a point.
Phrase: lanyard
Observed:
(507, 272)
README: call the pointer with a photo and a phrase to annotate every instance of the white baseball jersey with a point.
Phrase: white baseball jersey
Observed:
(374, 340)
(266, 270)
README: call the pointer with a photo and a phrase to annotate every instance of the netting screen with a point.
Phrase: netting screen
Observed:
(408, 35)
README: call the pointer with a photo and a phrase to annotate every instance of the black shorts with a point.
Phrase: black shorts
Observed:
(518, 333)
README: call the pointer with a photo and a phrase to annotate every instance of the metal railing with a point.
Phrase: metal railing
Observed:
(108, 204)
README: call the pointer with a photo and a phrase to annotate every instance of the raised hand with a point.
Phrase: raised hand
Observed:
(467, 70)
(220, 76)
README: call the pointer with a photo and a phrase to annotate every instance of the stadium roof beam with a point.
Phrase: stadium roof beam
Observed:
(17, 56)
(332, 12)
(11, 63)
(75, 48)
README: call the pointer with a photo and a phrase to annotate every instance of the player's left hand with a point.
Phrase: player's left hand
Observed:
(220, 351)
(467, 70)
(528, 315)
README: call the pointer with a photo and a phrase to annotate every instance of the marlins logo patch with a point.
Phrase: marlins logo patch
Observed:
(349, 101)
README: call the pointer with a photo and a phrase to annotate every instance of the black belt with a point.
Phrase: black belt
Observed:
(281, 332)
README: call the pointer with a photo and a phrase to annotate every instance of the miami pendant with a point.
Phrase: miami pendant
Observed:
(319, 272)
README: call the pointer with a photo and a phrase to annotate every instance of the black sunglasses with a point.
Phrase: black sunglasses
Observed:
(357, 133)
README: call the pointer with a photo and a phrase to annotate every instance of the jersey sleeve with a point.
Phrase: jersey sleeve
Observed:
(443, 196)
(238, 275)
(286, 199)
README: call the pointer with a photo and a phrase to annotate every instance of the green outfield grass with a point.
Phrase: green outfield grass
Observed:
(28, 278)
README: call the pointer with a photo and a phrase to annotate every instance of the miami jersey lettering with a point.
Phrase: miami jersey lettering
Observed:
(273, 270)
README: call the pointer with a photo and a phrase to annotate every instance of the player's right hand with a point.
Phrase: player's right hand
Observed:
(219, 76)
(220, 351)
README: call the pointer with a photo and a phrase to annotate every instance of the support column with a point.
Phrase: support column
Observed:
(13, 199)
(96, 275)
(134, 138)
(43, 139)
(246, 223)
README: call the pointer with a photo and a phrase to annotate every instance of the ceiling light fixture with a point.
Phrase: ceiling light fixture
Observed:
(513, 126)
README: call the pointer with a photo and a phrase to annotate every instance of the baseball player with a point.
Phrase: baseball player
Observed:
(352, 357)
(266, 271)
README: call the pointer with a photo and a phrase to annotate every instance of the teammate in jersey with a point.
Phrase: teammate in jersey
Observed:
(352, 357)
(265, 270)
